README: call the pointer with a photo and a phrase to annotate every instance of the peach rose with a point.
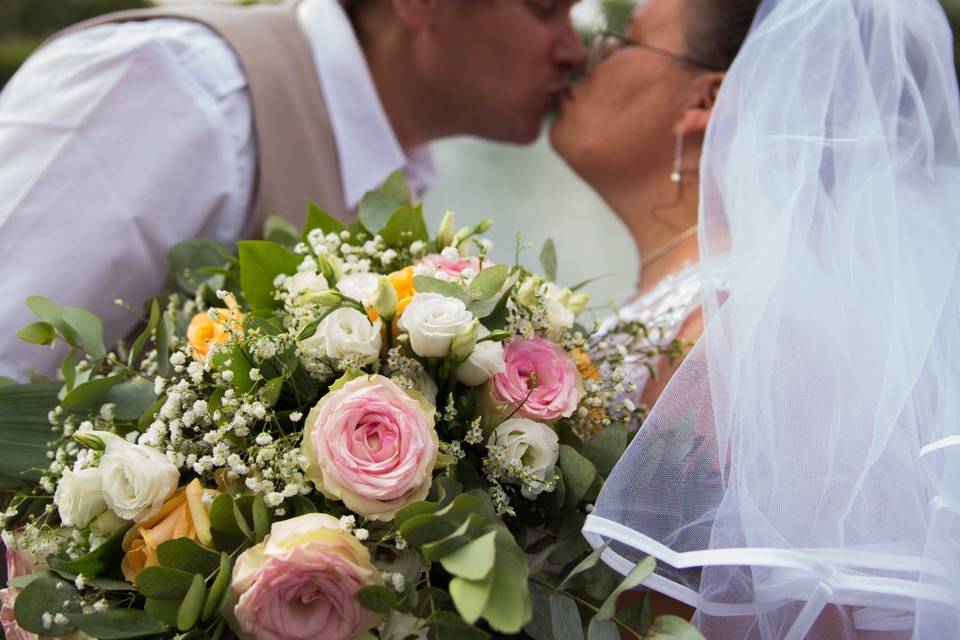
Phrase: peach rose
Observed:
(402, 282)
(301, 582)
(372, 445)
(205, 332)
(185, 515)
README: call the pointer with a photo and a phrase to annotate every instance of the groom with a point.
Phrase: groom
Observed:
(130, 133)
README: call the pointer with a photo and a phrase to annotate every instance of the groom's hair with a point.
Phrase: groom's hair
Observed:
(716, 29)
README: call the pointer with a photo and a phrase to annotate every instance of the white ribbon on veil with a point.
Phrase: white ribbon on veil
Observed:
(800, 475)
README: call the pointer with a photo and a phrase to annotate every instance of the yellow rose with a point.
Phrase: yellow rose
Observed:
(204, 331)
(402, 282)
(183, 516)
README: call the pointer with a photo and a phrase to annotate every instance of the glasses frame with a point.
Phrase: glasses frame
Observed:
(601, 35)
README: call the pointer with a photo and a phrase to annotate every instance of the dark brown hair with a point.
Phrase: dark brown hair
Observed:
(716, 29)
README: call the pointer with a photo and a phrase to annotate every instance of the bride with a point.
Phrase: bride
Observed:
(799, 473)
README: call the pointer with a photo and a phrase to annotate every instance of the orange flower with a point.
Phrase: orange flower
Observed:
(204, 331)
(183, 516)
(588, 370)
(402, 282)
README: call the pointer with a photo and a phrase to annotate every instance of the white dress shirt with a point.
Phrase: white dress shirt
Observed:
(122, 140)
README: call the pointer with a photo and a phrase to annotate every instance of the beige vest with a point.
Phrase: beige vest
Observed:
(296, 151)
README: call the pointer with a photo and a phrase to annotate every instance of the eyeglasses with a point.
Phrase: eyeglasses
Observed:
(605, 43)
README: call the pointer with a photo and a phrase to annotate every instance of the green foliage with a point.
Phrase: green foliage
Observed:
(193, 264)
(260, 263)
(406, 225)
(378, 207)
(47, 595)
(102, 561)
(548, 260)
(117, 624)
(317, 218)
(24, 428)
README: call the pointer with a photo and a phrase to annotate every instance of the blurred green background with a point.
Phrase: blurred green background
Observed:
(25, 23)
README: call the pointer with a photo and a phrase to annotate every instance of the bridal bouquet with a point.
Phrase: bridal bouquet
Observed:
(358, 432)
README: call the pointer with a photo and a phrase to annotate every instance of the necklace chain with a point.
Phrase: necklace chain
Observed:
(664, 249)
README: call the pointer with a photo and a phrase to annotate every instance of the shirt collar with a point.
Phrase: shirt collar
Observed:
(366, 144)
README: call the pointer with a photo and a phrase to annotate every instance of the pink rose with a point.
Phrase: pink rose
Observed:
(451, 267)
(541, 370)
(372, 445)
(301, 582)
(18, 564)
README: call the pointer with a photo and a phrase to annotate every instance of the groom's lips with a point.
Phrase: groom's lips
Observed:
(559, 96)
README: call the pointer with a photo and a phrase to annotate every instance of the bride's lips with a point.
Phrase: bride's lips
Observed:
(558, 97)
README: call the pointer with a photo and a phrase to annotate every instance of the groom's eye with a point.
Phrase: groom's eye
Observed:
(543, 9)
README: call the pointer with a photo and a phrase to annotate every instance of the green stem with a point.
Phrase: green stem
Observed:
(586, 604)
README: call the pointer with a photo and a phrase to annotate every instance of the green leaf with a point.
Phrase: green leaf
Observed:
(89, 329)
(578, 474)
(271, 391)
(488, 282)
(377, 207)
(565, 618)
(537, 561)
(218, 590)
(510, 606)
(6, 382)
(378, 599)
(605, 448)
(261, 518)
(279, 230)
(143, 422)
(25, 429)
(548, 260)
(147, 332)
(426, 284)
(449, 626)
(52, 313)
(602, 630)
(471, 596)
(260, 263)
(38, 333)
(99, 562)
(131, 398)
(192, 604)
(242, 523)
(302, 505)
(405, 226)
(90, 393)
(474, 560)
(227, 536)
(422, 529)
(188, 260)
(164, 583)
(20, 582)
(445, 489)
(317, 218)
(637, 575)
(587, 563)
(117, 624)
(469, 530)
(162, 610)
(672, 628)
(187, 555)
(46, 595)
(165, 331)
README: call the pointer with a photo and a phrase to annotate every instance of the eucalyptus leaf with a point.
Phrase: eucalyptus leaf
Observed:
(187, 555)
(163, 610)
(472, 528)
(471, 596)
(548, 260)
(131, 398)
(38, 333)
(406, 225)
(587, 563)
(99, 562)
(218, 590)
(449, 626)
(164, 583)
(192, 605)
(602, 630)
(474, 560)
(565, 618)
(89, 329)
(227, 535)
(117, 624)
(605, 448)
(426, 284)
(261, 518)
(90, 393)
(378, 599)
(510, 606)
(578, 474)
(271, 391)
(46, 595)
(280, 231)
(187, 261)
(148, 331)
(672, 628)
(50, 312)
(488, 282)
(443, 491)
(317, 218)
(377, 207)
(260, 263)
(635, 578)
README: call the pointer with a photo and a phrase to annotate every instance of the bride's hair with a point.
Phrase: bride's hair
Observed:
(716, 29)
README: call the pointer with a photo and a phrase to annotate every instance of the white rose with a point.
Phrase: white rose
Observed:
(346, 332)
(423, 384)
(531, 444)
(362, 287)
(432, 320)
(404, 625)
(485, 362)
(79, 497)
(137, 480)
(305, 282)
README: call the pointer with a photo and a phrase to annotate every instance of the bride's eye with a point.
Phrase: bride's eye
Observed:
(543, 9)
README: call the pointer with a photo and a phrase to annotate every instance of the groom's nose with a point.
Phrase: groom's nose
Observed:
(568, 51)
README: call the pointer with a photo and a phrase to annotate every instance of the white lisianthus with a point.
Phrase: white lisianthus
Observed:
(423, 384)
(345, 332)
(484, 362)
(305, 282)
(79, 497)
(362, 287)
(432, 320)
(136, 480)
(555, 299)
(533, 445)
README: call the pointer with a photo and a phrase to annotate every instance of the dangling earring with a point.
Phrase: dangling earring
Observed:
(677, 174)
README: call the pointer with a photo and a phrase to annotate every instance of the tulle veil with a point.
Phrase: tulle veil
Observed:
(800, 475)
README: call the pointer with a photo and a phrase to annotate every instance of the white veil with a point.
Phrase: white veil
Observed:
(800, 475)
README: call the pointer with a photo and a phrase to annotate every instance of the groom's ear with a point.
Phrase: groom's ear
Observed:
(416, 13)
(700, 107)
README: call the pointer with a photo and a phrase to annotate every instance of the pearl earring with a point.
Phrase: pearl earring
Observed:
(677, 176)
